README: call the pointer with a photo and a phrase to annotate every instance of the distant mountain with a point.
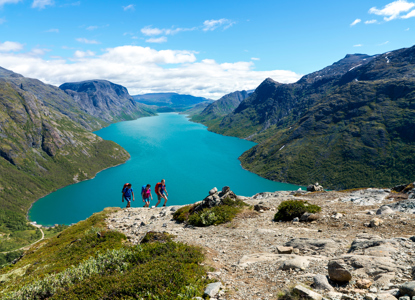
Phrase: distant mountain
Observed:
(214, 112)
(197, 109)
(169, 102)
(105, 100)
(348, 125)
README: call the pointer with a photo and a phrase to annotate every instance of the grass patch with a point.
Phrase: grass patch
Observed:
(223, 213)
(79, 264)
(291, 209)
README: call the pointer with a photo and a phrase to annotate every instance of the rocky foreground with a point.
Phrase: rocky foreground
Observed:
(361, 246)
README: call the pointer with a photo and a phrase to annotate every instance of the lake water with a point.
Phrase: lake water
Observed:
(190, 158)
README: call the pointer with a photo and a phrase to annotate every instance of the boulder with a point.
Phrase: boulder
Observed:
(212, 289)
(405, 206)
(375, 222)
(315, 188)
(338, 271)
(408, 288)
(298, 263)
(213, 191)
(259, 207)
(307, 293)
(384, 210)
(370, 265)
(385, 296)
(373, 245)
(383, 280)
(321, 283)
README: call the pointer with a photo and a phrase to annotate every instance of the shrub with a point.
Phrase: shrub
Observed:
(182, 214)
(291, 209)
(153, 236)
(213, 216)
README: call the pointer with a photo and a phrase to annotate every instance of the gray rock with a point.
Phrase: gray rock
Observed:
(309, 217)
(373, 245)
(405, 206)
(321, 283)
(315, 188)
(309, 244)
(384, 210)
(382, 280)
(338, 271)
(371, 265)
(226, 189)
(413, 272)
(213, 191)
(404, 298)
(335, 295)
(305, 292)
(408, 288)
(212, 289)
(299, 262)
(296, 219)
(370, 296)
(375, 222)
(385, 296)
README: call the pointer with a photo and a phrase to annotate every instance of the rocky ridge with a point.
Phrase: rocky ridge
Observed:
(338, 255)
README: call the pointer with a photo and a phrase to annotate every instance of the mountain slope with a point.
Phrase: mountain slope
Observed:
(44, 145)
(169, 102)
(358, 132)
(104, 100)
(275, 105)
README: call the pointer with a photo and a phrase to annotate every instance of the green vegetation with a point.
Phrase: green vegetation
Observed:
(80, 264)
(210, 216)
(52, 231)
(9, 257)
(290, 209)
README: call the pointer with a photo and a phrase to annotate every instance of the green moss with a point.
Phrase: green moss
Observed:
(290, 209)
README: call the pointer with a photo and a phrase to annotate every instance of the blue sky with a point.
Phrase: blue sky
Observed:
(204, 48)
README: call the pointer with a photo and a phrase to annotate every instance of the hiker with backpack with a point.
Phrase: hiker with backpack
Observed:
(127, 192)
(146, 194)
(161, 192)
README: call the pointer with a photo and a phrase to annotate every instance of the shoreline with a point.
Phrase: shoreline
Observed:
(31, 205)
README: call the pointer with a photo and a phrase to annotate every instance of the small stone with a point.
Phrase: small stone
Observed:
(307, 293)
(404, 298)
(363, 283)
(164, 224)
(296, 263)
(284, 250)
(370, 296)
(375, 222)
(338, 272)
(212, 289)
(321, 283)
(373, 289)
(384, 210)
(296, 219)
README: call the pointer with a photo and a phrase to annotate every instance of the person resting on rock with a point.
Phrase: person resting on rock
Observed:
(146, 194)
(127, 193)
(161, 192)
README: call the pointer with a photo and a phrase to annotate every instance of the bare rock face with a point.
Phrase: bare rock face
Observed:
(315, 188)
(338, 271)
(318, 245)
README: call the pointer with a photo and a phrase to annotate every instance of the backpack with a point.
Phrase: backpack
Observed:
(143, 188)
(158, 185)
(125, 185)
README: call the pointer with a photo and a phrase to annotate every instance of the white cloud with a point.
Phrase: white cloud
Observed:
(150, 31)
(2, 20)
(82, 54)
(86, 41)
(407, 29)
(371, 22)
(128, 7)
(210, 25)
(143, 70)
(255, 58)
(159, 40)
(355, 22)
(2, 2)
(41, 4)
(91, 28)
(358, 45)
(10, 46)
(392, 10)
(55, 30)
(382, 44)
(409, 15)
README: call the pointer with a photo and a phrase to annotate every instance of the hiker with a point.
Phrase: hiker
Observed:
(127, 192)
(146, 193)
(161, 192)
(122, 191)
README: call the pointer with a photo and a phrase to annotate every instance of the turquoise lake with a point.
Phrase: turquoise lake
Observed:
(190, 158)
